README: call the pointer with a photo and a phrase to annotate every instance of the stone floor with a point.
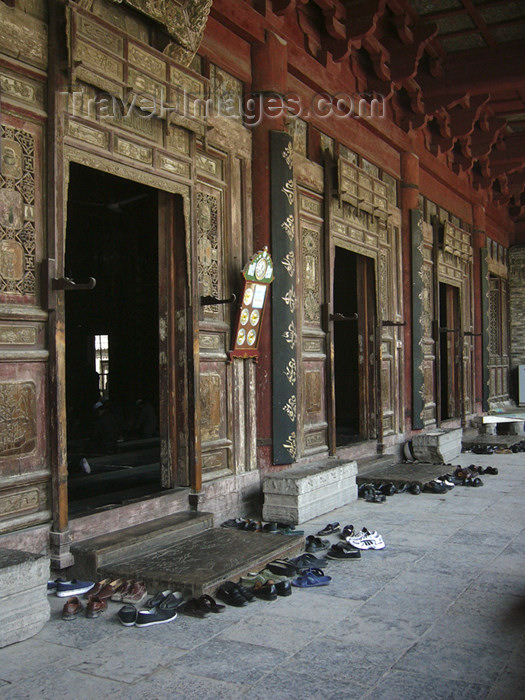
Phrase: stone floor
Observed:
(439, 613)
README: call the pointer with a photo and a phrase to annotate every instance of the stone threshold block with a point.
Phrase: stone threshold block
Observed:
(307, 491)
(24, 608)
(437, 446)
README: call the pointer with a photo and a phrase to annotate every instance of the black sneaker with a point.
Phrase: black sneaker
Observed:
(127, 615)
(154, 616)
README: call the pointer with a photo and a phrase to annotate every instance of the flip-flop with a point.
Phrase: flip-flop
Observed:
(311, 578)
(329, 529)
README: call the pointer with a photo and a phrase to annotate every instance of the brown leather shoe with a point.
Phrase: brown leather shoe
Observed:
(110, 588)
(122, 591)
(95, 606)
(71, 608)
(136, 594)
(95, 590)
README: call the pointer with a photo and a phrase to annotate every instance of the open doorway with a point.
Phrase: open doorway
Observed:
(449, 322)
(112, 340)
(354, 327)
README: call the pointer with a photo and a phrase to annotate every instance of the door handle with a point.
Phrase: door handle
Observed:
(342, 317)
(66, 284)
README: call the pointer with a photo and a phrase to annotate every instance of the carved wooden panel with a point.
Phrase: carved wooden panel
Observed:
(211, 390)
(17, 418)
(313, 434)
(17, 215)
(209, 248)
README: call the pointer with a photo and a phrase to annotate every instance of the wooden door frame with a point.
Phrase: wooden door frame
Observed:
(454, 355)
(182, 326)
(373, 402)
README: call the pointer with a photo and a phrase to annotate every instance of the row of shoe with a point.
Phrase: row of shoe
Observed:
(373, 493)
(259, 526)
(133, 592)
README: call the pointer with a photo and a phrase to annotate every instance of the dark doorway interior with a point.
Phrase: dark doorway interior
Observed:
(449, 321)
(354, 293)
(112, 347)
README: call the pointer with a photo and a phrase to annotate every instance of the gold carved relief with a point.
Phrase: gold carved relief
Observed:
(17, 418)
(88, 134)
(142, 154)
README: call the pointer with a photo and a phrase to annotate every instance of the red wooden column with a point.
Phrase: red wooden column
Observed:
(269, 85)
(409, 201)
(478, 244)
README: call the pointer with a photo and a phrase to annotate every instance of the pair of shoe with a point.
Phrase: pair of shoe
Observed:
(311, 578)
(159, 609)
(342, 550)
(131, 592)
(73, 607)
(200, 607)
(365, 539)
(65, 589)
(234, 594)
(371, 494)
(119, 590)
(315, 544)
(329, 529)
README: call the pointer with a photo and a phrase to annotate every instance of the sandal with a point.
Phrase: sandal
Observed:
(311, 578)
(230, 594)
(329, 529)
(195, 608)
(210, 605)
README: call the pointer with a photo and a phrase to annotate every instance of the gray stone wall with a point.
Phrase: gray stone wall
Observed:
(516, 312)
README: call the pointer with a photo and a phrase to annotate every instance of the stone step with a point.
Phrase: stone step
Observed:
(201, 563)
(307, 491)
(437, 445)
(96, 552)
(24, 608)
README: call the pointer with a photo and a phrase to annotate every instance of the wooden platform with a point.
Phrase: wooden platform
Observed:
(200, 564)
(180, 552)
(402, 473)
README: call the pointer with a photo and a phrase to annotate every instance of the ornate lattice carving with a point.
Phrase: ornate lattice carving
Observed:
(17, 214)
(208, 247)
(311, 281)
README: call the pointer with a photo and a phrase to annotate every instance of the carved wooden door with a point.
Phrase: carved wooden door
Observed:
(450, 351)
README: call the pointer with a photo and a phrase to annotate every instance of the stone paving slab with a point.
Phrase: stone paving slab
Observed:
(440, 613)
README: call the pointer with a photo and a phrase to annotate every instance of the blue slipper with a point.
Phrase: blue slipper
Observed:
(311, 578)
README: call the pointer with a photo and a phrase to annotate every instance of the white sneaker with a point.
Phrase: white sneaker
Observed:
(367, 540)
